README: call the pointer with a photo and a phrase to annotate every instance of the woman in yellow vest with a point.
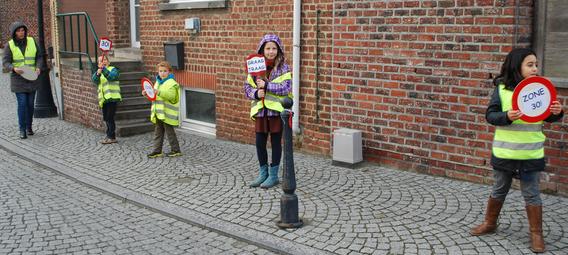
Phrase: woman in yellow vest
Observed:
(20, 51)
(518, 147)
(108, 90)
(165, 111)
(273, 88)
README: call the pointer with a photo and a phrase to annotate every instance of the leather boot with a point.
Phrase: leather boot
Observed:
(262, 175)
(534, 213)
(489, 225)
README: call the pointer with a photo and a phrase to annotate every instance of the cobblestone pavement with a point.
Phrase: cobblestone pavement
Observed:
(45, 213)
(370, 210)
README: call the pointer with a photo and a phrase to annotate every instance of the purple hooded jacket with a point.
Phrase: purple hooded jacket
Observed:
(281, 89)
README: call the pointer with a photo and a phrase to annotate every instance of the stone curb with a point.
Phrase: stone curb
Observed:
(272, 243)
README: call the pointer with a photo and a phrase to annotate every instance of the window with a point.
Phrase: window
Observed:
(192, 4)
(198, 110)
(551, 40)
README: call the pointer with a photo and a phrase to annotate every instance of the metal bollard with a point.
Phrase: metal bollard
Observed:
(289, 201)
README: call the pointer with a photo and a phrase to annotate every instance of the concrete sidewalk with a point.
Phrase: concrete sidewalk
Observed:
(371, 210)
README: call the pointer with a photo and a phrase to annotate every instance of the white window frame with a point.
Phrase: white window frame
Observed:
(135, 43)
(191, 4)
(202, 127)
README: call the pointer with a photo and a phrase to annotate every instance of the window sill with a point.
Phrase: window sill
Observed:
(559, 82)
(200, 4)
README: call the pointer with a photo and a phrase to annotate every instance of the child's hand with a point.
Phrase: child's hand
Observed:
(555, 108)
(260, 93)
(144, 92)
(514, 115)
(37, 71)
(99, 71)
(260, 83)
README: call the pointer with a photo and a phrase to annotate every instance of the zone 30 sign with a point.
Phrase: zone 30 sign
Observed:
(533, 97)
(105, 44)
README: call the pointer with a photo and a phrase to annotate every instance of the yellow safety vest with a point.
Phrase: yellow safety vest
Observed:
(166, 105)
(108, 89)
(18, 58)
(521, 140)
(271, 101)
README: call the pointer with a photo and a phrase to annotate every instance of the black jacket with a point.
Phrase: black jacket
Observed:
(496, 116)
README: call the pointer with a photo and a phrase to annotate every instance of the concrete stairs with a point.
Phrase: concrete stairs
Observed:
(133, 113)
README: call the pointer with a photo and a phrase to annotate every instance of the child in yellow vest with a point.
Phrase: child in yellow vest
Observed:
(518, 147)
(165, 111)
(108, 90)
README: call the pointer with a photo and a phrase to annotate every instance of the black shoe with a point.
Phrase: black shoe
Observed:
(154, 155)
(30, 132)
(23, 135)
(173, 154)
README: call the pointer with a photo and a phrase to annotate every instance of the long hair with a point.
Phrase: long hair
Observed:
(279, 60)
(511, 69)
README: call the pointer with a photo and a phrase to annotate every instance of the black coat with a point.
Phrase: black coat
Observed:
(496, 116)
(17, 82)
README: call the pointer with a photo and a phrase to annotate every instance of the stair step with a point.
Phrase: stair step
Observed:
(128, 66)
(133, 114)
(131, 76)
(131, 103)
(130, 90)
(133, 127)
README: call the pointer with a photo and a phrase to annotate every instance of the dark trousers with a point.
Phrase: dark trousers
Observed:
(26, 102)
(159, 130)
(109, 111)
(261, 140)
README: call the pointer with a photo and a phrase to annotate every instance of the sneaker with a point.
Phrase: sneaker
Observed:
(154, 155)
(30, 132)
(173, 154)
(23, 135)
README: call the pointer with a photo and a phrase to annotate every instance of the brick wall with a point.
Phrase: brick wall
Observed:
(25, 11)
(415, 76)
(80, 98)
(118, 22)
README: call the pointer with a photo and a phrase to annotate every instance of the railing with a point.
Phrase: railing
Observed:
(76, 46)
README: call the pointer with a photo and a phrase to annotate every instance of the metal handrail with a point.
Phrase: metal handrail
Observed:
(88, 26)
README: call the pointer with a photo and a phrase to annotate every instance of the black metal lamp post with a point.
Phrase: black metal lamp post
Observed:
(289, 201)
(44, 108)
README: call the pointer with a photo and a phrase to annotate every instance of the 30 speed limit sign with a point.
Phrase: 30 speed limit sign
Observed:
(533, 97)
(105, 44)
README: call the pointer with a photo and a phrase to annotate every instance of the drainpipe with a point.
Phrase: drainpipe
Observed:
(296, 65)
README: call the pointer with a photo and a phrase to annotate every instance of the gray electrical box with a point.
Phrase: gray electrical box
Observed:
(347, 147)
(173, 51)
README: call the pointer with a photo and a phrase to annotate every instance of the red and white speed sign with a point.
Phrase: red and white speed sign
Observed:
(105, 44)
(533, 97)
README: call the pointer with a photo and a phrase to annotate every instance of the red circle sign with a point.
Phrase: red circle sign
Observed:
(149, 88)
(533, 97)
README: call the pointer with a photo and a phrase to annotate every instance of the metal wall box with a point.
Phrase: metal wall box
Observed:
(347, 147)
(173, 51)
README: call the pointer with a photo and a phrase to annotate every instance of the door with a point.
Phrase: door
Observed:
(135, 23)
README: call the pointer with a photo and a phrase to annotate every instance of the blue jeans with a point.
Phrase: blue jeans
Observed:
(529, 186)
(26, 102)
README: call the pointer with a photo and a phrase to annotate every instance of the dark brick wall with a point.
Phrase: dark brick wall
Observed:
(25, 11)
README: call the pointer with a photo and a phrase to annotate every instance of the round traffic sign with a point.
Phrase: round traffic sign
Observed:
(533, 97)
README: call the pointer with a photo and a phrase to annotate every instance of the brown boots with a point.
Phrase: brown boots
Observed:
(534, 212)
(489, 225)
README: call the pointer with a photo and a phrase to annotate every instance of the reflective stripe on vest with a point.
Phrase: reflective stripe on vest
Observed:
(271, 101)
(28, 58)
(108, 89)
(520, 140)
(163, 109)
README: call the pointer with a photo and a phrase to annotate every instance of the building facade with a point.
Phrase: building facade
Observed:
(414, 76)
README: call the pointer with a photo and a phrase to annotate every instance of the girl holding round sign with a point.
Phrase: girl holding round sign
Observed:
(266, 92)
(518, 144)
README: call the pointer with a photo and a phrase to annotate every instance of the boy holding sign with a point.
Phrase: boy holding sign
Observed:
(266, 93)
(108, 91)
(518, 147)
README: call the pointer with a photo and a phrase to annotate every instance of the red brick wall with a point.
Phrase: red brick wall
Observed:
(25, 11)
(118, 22)
(80, 98)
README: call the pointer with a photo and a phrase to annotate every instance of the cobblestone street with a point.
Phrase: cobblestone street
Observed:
(369, 210)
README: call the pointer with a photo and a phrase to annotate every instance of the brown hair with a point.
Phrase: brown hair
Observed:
(165, 64)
